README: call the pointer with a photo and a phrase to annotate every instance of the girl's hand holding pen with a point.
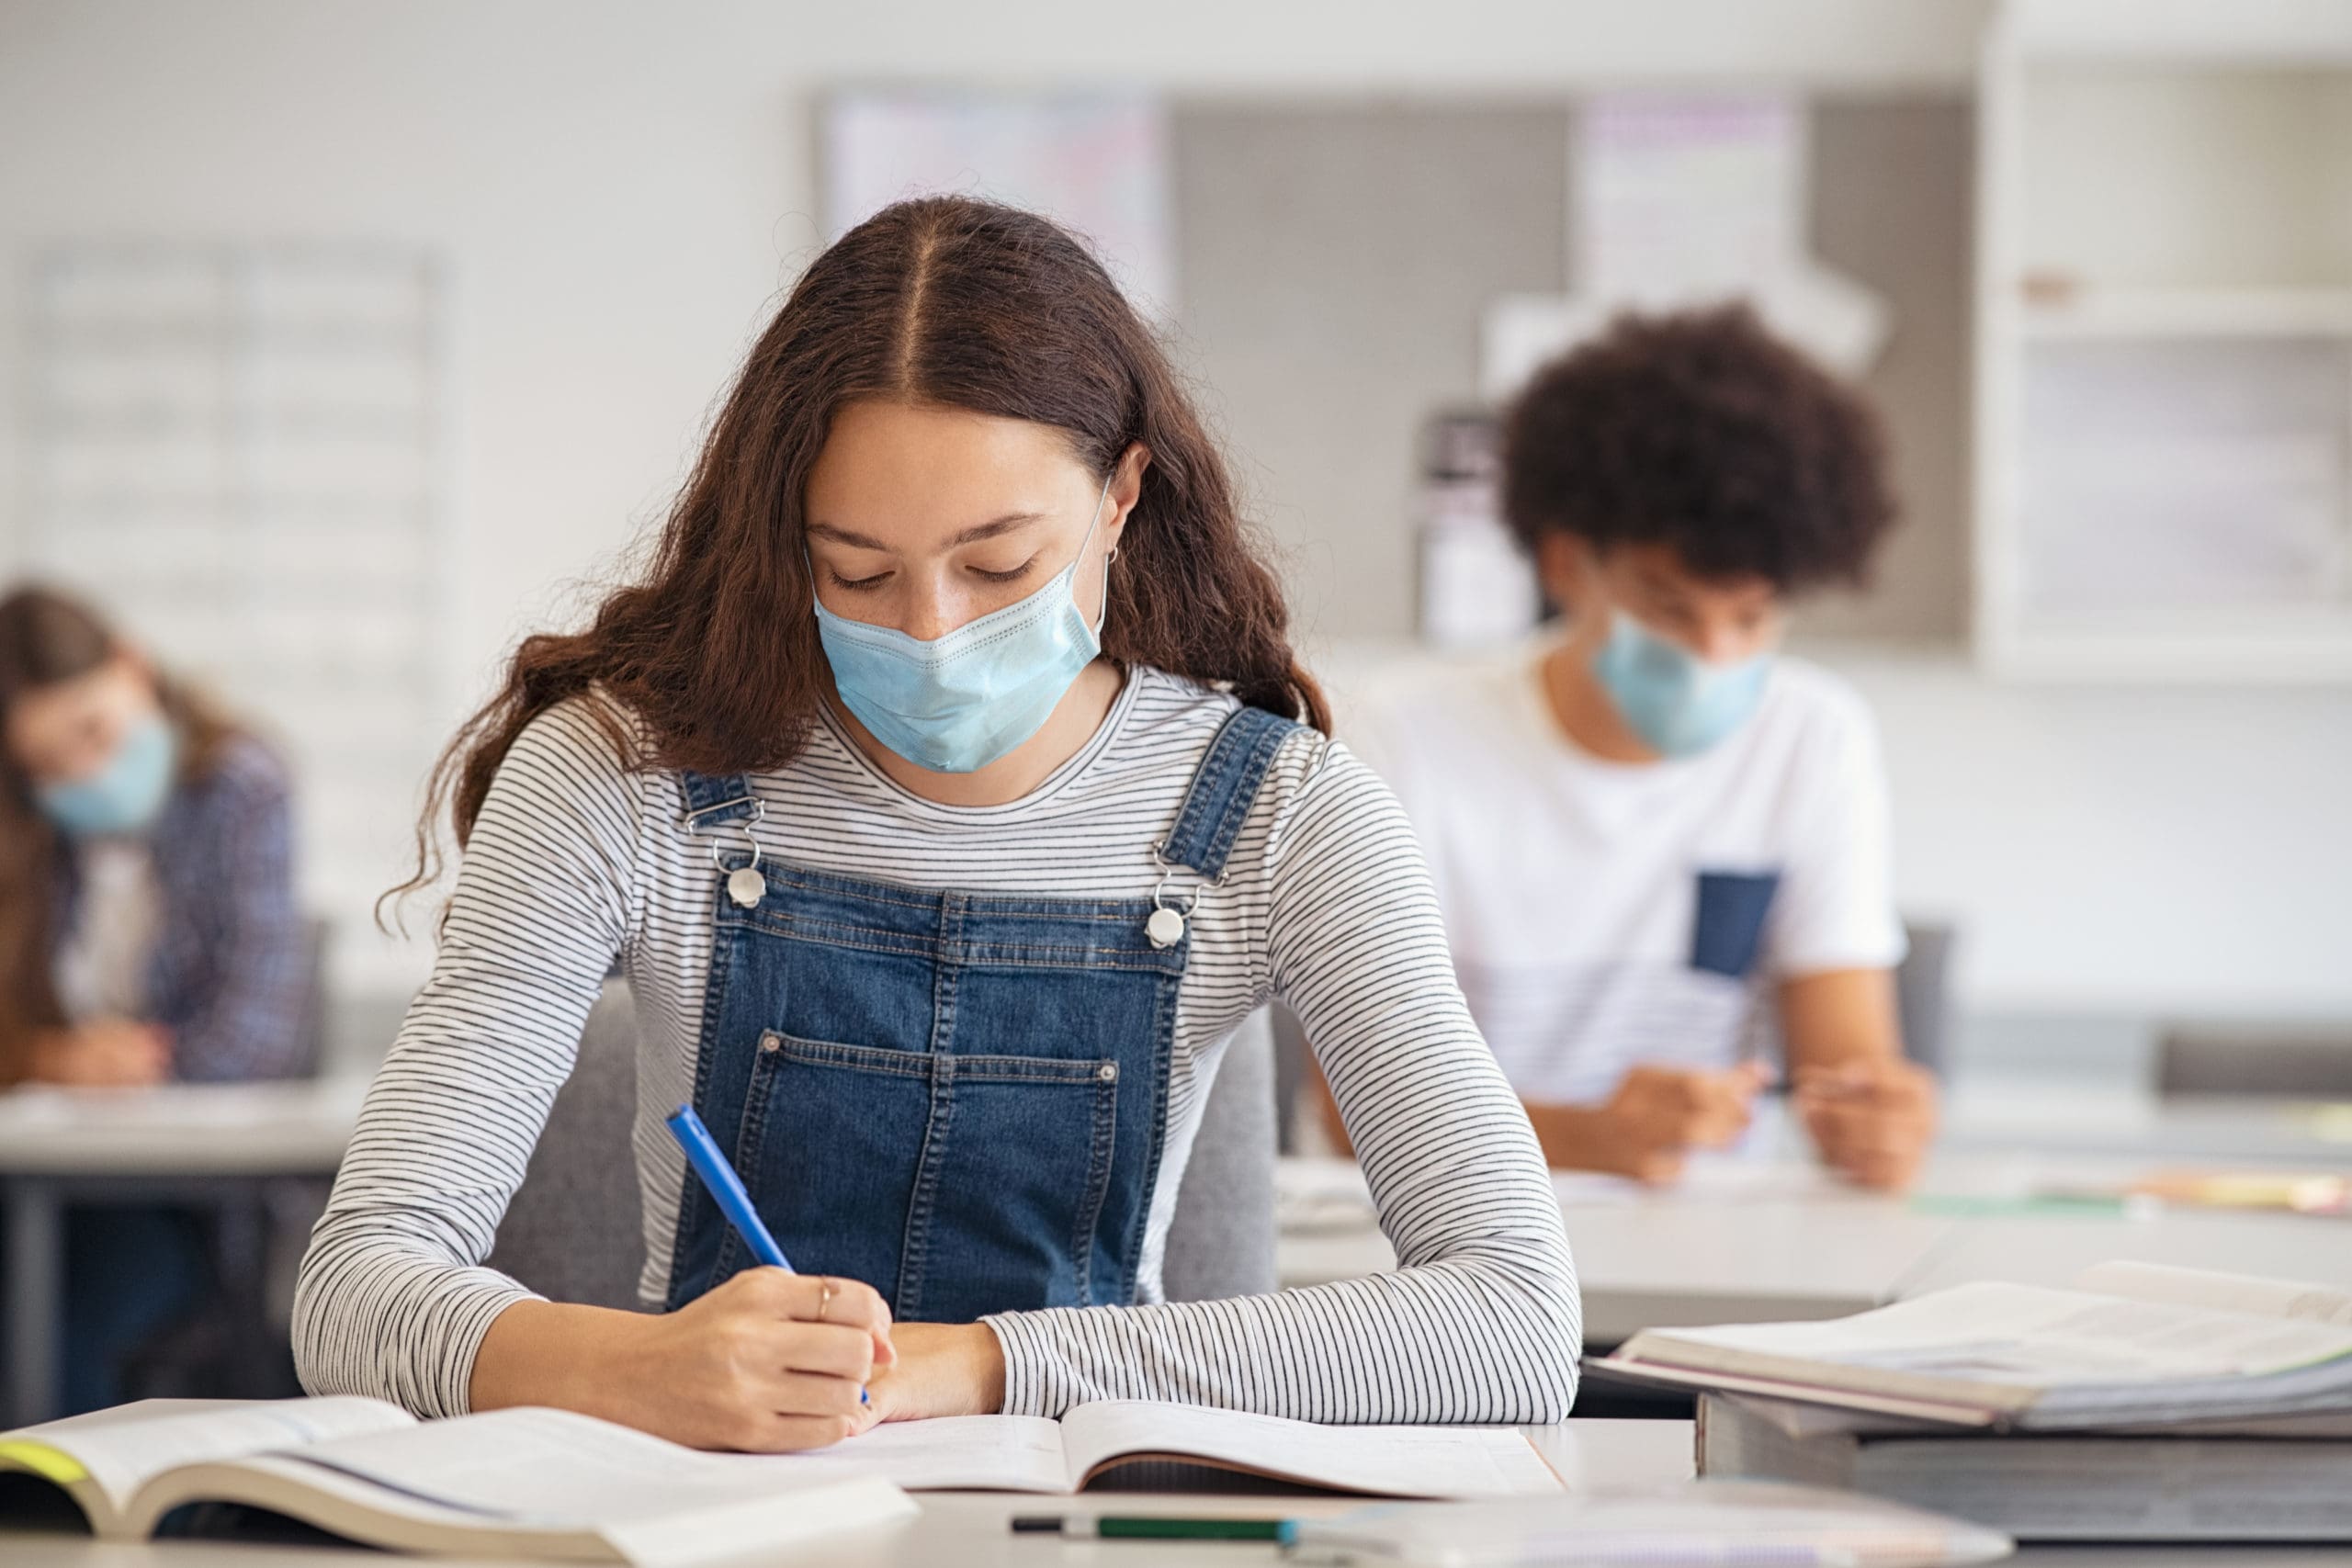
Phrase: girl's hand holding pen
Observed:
(768, 1361)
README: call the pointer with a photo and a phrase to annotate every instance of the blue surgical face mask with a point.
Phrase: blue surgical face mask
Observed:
(959, 702)
(124, 796)
(1678, 702)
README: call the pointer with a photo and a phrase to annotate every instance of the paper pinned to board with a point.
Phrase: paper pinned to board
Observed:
(1683, 201)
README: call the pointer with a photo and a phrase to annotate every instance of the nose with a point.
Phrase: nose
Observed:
(931, 612)
(1723, 644)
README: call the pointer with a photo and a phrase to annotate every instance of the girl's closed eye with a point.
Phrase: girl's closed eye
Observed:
(1013, 575)
(857, 584)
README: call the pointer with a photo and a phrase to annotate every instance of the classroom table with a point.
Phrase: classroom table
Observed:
(1737, 1239)
(179, 1142)
(974, 1528)
(1768, 1236)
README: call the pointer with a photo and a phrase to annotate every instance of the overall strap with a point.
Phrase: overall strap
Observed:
(713, 798)
(1222, 790)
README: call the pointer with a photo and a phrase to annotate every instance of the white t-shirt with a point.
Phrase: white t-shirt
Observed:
(101, 968)
(1604, 914)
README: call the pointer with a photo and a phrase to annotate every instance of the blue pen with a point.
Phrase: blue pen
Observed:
(727, 1191)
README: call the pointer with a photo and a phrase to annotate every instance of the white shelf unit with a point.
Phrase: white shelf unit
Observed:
(241, 452)
(2163, 349)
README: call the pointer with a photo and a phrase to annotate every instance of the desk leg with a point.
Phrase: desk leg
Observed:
(35, 1294)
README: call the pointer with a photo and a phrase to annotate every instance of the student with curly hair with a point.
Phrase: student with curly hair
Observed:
(1655, 826)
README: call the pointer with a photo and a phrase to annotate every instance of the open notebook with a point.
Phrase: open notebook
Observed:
(537, 1484)
(1028, 1453)
(2132, 1345)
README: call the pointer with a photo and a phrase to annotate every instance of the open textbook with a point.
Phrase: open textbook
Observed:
(552, 1484)
(537, 1484)
(2132, 1345)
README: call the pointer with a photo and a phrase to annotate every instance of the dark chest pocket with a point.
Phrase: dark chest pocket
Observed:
(959, 1185)
(1729, 925)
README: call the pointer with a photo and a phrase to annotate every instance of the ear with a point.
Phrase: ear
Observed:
(1564, 564)
(1126, 488)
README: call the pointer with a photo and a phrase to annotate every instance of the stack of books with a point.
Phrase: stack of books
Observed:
(2145, 1404)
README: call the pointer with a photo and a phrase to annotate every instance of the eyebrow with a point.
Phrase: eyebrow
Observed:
(972, 536)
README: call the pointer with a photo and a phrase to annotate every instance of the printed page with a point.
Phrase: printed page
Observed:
(2211, 1288)
(965, 1453)
(2029, 1336)
(545, 1467)
(1396, 1462)
(117, 1455)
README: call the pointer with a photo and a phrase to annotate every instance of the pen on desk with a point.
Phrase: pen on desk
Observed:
(1118, 1526)
(727, 1191)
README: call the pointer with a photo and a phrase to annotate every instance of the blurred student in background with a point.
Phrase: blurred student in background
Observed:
(1656, 827)
(149, 928)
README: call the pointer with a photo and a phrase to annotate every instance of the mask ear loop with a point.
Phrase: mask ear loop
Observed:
(1104, 614)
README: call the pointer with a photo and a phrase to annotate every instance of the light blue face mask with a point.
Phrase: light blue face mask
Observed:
(123, 796)
(959, 702)
(1675, 701)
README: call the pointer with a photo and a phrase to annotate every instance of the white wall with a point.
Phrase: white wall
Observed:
(623, 189)
(2121, 849)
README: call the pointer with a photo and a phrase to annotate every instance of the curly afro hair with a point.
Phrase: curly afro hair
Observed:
(1703, 432)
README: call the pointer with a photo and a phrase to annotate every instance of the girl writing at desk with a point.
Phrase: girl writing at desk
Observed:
(948, 792)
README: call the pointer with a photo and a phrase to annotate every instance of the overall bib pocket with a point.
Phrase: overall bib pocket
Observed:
(999, 1164)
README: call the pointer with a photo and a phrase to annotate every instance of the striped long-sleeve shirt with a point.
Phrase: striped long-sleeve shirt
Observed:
(576, 860)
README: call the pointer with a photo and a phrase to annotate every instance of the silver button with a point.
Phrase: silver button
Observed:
(746, 886)
(1108, 1072)
(1166, 928)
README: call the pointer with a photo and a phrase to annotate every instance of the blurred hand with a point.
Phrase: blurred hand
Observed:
(108, 1054)
(1872, 1118)
(1658, 1114)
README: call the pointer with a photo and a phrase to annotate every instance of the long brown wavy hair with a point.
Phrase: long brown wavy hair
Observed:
(945, 301)
(47, 638)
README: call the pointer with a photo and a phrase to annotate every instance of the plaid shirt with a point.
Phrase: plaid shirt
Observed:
(230, 975)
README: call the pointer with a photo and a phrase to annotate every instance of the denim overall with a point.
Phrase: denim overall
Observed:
(957, 1098)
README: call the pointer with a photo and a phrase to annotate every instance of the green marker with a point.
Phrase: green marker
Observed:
(1113, 1527)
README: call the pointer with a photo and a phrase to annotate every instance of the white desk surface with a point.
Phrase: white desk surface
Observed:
(1770, 1237)
(263, 1129)
(974, 1528)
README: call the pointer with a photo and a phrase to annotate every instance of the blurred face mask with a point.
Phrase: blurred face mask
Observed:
(959, 702)
(126, 794)
(1678, 702)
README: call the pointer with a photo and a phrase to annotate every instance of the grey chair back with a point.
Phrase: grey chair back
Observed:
(2276, 1061)
(1923, 994)
(574, 1231)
